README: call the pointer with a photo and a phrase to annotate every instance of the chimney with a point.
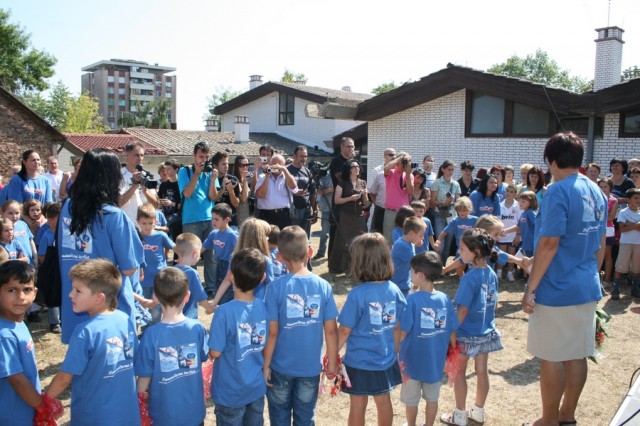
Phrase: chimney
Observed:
(254, 81)
(241, 129)
(608, 57)
(212, 124)
(346, 88)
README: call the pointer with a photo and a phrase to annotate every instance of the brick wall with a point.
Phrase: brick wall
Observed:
(611, 146)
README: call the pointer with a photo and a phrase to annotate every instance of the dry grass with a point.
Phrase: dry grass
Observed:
(514, 395)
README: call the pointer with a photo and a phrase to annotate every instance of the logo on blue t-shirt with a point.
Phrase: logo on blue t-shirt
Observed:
(178, 357)
(382, 313)
(300, 307)
(119, 348)
(590, 211)
(431, 320)
(491, 295)
(150, 247)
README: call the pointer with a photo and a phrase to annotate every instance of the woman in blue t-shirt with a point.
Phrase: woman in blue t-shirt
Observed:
(485, 199)
(28, 182)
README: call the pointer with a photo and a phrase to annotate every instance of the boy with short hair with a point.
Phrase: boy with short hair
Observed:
(464, 221)
(629, 254)
(404, 249)
(99, 361)
(421, 208)
(169, 359)
(427, 328)
(19, 380)
(279, 268)
(301, 308)
(237, 340)
(155, 244)
(222, 240)
(188, 248)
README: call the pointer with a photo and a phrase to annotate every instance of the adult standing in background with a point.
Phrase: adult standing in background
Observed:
(427, 165)
(241, 172)
(347, 152)
(54, 175)
(621, 183)
(68, 178)
(467, 182)
(133, 193)
(377, 192)
(399, 187)
(564, 285)
(199, 190)
(28, 183)
(227, 184)
(92, 226)
(444, 192)
(273, 192)
(304, 200)
(170, 198)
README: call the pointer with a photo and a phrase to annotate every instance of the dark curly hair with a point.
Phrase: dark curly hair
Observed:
(483, 187)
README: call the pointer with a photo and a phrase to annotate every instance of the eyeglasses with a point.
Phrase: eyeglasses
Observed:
(243, 164)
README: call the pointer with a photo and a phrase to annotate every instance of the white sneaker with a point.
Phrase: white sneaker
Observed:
(510, 276)
(455, 418)
(499, 274)
(476, 414)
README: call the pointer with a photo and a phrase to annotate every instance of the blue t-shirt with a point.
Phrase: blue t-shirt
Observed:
(196, 208)
(396, 233)
(161, 219)
(38, 188)
(46, 241)
(401, 254)
(575, 211)
(428, 320)
(527, 225)
(17, 355)
(171, 355)
(222, 243)
(44, 228)
(100, 357)
(112, 237)
(14, 249)
(484, 205)
(279, 268)
(239, 331)
(428, 233)
(300, 304)
(23, 235)
(260, 291)
(198, 294)
(154, 257)
(458, 225)
(478, 291)
(371, 312)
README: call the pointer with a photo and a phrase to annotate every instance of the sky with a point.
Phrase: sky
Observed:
(218, 44)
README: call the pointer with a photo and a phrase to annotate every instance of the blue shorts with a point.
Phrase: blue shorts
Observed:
(373, 382)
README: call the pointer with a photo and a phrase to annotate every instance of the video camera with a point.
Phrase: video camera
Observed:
(318, 170)
(146, 178)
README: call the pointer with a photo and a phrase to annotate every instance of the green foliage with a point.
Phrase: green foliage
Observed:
(292, 77)
(83, 116)
(220, 96)
(22, 68)
(384, 88)
(631, 72)
(540, 68)
(147, 114)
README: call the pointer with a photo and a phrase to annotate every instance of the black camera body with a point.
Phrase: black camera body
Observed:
(405, 162)
(318, 170)
(208, 166)
(146, 178)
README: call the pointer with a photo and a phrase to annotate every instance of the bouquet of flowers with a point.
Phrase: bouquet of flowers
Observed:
(601, 319)
(335, 382)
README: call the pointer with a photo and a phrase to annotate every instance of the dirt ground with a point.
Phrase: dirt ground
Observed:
(514, 395)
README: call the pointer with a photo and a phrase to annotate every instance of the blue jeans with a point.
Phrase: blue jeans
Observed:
(325, 224)
(299, 394)
(202, 231)
(438, 226)
(156, 311)
(247, 415)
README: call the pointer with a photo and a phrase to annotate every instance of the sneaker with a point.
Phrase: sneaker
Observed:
(510, 276)
(455, 418)
(499, 274)
(476, 414)
(55, 328)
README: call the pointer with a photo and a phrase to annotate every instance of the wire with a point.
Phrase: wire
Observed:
(553, 108)
(632, 375)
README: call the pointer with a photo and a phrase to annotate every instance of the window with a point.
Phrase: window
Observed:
(529, 121)
(121, 91)
(487, 115)
(111, 112)
(169, 116)
(630, 124)
(122, 102)
(110, 102)
(580, 126)
(158, 83)
(121, 80)
(286, 110)
(167, 95)
(110, 79)
(168, 84)
(159, 94)
(112, 125)
(110, 90)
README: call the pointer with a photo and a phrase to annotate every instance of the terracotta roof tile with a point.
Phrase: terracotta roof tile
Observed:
(111, 142)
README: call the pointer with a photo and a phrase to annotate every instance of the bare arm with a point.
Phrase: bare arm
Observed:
(25, 390)
(267, 352)
(213, 191)
(58, 384)
(151, 196)
(462, 312)
(331, 341)
(545, 252)
(343, 335)
(143, 384)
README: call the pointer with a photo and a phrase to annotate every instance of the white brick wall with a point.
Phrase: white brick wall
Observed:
(611, 146)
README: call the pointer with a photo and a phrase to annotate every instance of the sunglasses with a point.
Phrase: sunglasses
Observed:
(243, 165)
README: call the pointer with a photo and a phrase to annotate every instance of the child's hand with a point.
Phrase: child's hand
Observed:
(266, 372)
(436, 245)
(147, 303)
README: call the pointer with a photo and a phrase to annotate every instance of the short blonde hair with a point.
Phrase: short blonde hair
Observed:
(146, 211)
(489, 222)
(463, 203)
(293, 244)
(413, 224)
(370, 258)
(187, 243)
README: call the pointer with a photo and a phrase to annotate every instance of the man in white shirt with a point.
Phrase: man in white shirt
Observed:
(377, 190)
(273, 191)
(132, 193)
(54, 175)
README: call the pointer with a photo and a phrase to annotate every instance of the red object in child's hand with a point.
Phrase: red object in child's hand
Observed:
(48, 411)
(143, 403)
(207, 373)
(455, 360)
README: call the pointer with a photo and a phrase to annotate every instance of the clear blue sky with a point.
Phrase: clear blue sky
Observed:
(334, 43)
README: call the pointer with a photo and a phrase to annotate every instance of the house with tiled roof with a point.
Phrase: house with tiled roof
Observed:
(280, 108)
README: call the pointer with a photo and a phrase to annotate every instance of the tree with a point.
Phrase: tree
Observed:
(541, 69)
(147, 114)
(220, 96)
(83, 116)
(384, 88)
(631, 72)
(291, 77)
(159, 108)
(22, 68)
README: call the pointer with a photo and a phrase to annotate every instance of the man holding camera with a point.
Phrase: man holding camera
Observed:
(199, 186)
(304, 201)
(398, 190)
(272, 191)
(227, 184)
(132, 188)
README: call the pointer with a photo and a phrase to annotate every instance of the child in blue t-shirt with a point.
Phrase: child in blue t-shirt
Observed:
(222, 240)
(188, 248)
(99, 360)
(403, 250)
(169, 359)
(477, 334)
(403, 214)
(368, 324)
(458, 225)
(237, 338)
(156, 244)
(21, 233)
(525, 227)
(421, 208)
(427, 329)
(301, 309)
(19, 380)
(279, 268)
(161, 222)
(51, 212)
(14, 249)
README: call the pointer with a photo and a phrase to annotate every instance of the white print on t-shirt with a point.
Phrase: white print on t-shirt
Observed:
(178, 357)
(150, 247)
(382, 313)
(251, 337)
(82, 242)
(303, 307)
(590, 212)
(431, 320)
(119, 348)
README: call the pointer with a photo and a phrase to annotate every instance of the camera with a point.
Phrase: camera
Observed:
(448, 194)
(264, 159)
(270, 170)
(146, 178)
(208, 166)
(414, 165)
(405, 162)
(318, 170)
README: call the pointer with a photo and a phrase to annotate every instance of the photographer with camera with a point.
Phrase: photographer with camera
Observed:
(199, 186)
(272, 190)
(134, 184)
(227, 184)
(304, 201)
(398, 190)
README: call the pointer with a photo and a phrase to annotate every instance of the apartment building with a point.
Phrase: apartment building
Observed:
(122, 86)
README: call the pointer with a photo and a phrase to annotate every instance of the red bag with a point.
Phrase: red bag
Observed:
(454, 363)
(207, 374)
(48, 411)
(143, 403)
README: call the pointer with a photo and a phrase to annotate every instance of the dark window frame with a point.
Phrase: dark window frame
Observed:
(623, 116)
(288, 112)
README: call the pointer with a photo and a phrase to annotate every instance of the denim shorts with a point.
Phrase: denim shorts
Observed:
(373, 382)
(247, 415)
(297, 394)
(475, 345)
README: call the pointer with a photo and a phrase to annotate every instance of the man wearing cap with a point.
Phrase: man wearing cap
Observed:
(377, 190)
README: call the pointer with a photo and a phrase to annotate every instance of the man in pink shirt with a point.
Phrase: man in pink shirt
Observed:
(399, 186)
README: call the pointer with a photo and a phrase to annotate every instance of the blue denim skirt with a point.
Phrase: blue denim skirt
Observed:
(373, 382)
(474, 345)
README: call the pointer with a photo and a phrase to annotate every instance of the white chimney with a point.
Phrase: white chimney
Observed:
(346, 88)
(241, 129)
(212, 124)
(608, 57)
(254, 81)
